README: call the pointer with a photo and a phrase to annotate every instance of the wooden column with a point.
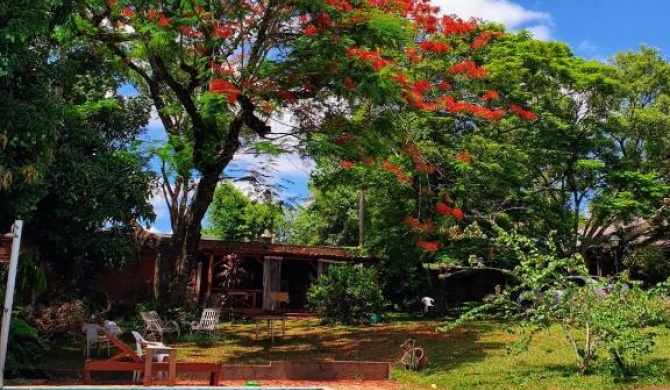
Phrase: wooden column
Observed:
(210, 276)
(198, 280)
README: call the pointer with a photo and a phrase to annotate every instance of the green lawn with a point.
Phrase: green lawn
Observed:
(471, 357)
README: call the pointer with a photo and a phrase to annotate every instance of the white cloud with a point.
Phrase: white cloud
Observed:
(512, 15)
(162, 224)
(540, 32)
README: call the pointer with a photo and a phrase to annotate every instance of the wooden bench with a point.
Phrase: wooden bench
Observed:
(214, 369)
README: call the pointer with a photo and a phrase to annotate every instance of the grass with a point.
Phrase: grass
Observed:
(471, 357)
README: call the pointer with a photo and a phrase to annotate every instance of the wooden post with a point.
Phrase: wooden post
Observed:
(210, 276)
(198, 280)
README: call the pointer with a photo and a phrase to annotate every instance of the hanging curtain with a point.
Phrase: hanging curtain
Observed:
(271, 281)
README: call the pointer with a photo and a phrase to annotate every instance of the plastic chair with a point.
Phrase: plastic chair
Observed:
(95, 334)
(140, 343)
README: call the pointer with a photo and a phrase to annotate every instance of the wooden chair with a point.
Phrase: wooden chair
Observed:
(279, 298)
(209, 321)
(154, 325)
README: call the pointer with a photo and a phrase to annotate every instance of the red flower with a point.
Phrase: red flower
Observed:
(347, 164)
(152, 14)
(226, 88)
(428, 246)
(435, 46)
(222, 32)
(522, 113)
(491, 95)
(163, 21)
(457, 213)
(442, 208)
(310, 30)
(127, 12)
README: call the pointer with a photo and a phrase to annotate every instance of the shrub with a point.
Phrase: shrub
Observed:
(347, 294)
(61, 319)
(25, 347)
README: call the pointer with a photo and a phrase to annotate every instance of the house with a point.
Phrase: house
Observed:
(272, 276)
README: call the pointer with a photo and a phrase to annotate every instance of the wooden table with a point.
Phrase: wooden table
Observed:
(149, 359)
(271, 319)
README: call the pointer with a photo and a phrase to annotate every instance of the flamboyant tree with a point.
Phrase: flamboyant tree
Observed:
(218, 71)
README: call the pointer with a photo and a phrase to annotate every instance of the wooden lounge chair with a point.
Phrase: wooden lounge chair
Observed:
(155, 326)
(209, 321)
(134, 363)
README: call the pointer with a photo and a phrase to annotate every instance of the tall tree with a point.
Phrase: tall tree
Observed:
(29, 109)
(216, 71)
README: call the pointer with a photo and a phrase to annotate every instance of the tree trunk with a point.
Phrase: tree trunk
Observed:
(178, 256)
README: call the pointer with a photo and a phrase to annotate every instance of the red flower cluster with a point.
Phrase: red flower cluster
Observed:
(310, 30)
(340, 5)
(435, 46)
(490, 95)
(222, 32)
(347, 164)
(227, 88)
(444, 209)
(191, 32)
(428, 246)
(427, 227)
(372, 57)
(163, 21)
(483, 38)
(127, 12)
(417, 157)
(522, 113)
(450, 104)
(456, 26)
(152, 14)
(399, 174)
(470, 69)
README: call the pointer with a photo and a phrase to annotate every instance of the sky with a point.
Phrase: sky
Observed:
(595, 29)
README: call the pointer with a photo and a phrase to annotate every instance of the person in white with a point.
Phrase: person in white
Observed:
(428, 302)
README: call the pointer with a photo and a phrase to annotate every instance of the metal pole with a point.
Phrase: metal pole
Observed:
(9, 297)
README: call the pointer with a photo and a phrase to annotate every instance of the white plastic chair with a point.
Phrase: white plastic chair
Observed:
(140, 343)
(209, 321)
(95, 334)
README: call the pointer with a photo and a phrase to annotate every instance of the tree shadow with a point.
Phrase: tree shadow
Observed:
(309, 342)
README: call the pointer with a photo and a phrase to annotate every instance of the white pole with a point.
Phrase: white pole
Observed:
(9, 297)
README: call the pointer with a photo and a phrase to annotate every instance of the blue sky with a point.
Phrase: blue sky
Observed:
(595, 29)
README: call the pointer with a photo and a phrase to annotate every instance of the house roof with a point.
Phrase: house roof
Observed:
(259, 248)
(210, 245)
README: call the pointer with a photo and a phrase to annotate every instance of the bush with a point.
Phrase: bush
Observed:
(25, 348)
(61, 319)
(347, 294)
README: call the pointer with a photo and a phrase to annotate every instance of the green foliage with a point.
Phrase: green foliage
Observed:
(591, 322)
(347, 295)
(233, 216)
(25, 348)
